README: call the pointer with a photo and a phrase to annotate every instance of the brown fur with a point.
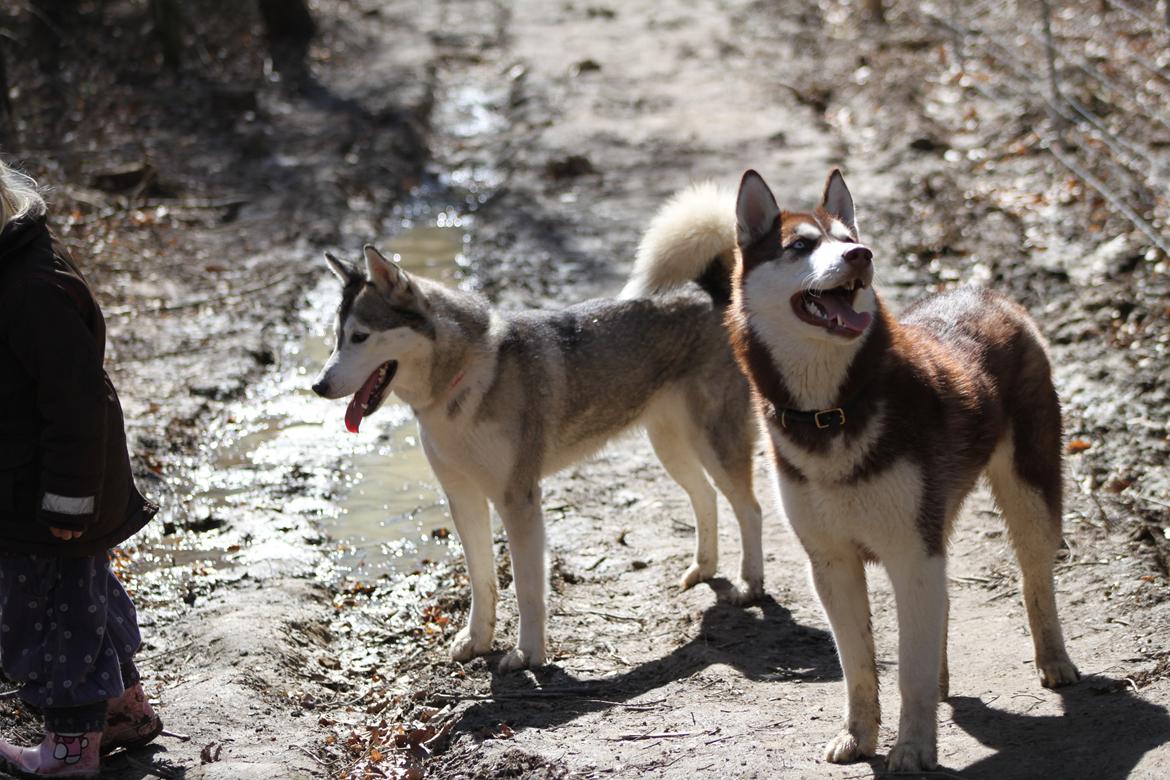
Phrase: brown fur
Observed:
(952, 391)
(959, 386)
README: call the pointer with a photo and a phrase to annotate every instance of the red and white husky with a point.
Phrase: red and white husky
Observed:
(879, 428)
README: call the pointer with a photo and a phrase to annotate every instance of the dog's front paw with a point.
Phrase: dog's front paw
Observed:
(698, 572)
(847, 747)
(465, 646)
(912, 756)
(743, 593)
(1057, 673)
(518, 659)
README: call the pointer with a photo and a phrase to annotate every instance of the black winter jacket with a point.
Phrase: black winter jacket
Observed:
(63, 457)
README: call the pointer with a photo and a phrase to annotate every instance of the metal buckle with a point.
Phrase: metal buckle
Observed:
(838, 411)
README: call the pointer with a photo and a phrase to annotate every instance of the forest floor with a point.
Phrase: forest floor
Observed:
(272, 662)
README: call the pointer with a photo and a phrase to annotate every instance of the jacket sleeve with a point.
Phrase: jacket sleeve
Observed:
(53, 343)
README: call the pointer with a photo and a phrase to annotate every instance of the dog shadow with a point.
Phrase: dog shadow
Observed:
(1103, 733)
(762, 642)
(1105, 730)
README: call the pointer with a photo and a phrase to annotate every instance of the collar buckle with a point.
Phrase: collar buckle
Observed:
(840, 421)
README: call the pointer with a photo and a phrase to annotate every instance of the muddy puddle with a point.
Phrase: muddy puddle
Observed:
(374, 494)
(386, 513)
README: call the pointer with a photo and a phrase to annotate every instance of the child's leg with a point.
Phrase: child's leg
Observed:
(131, 721)
(67, 631)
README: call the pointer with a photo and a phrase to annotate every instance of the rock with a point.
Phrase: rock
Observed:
(1117, 255)
(929, 144)
(238, 770)
(569, 167)
(586, 66)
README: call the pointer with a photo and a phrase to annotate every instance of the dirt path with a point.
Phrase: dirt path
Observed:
(567, 124)
(633, 102)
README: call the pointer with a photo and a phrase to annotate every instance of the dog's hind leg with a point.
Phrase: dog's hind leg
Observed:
(732, 472)
(1034, 525)
(678, 456)
(469, 510)
(524, 523)
(944, 675)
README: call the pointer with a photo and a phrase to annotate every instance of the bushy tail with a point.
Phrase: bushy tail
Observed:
(692, 230)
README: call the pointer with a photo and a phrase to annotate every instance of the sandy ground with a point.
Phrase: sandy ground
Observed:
(274, 666)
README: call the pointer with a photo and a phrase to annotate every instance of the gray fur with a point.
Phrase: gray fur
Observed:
(506, 398)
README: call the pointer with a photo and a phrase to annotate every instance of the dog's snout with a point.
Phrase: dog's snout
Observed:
(320, 387)
(858, 257)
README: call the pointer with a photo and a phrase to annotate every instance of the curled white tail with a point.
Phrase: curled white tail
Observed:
(693, 228)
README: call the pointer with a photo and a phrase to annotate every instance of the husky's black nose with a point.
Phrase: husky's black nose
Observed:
(858, 257)
(320, 387)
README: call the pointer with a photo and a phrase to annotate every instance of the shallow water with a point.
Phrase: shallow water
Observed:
(388, 513)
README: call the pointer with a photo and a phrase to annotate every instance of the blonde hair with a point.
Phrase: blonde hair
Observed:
(19, 196)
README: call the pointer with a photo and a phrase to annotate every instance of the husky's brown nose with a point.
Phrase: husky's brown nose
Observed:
(858, 257)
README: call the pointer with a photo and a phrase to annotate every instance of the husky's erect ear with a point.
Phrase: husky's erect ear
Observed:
(341, 269)
(756, 212)
(838, 202)
(389, 277)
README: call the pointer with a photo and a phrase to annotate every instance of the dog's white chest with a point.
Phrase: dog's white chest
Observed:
(829, 509)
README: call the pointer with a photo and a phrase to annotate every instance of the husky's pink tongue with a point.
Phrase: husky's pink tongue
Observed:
(357, 405)
(842, 313)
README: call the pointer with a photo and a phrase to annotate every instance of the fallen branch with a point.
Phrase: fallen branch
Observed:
(309, 753)
(132, 311)
(663, 735)
(546, 693)
(601, 613)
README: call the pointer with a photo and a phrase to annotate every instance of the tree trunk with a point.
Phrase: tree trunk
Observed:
(168, 26)
(290, 29)
(7, 121)
(875, 11)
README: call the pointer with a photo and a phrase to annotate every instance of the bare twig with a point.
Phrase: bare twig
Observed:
(131, 311)
(308, 753)
(661, 735)
(1151, 499)
(601, 613)
(547, 693)
(1109, 521)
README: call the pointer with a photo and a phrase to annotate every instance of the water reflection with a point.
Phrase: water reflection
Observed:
(388, 513)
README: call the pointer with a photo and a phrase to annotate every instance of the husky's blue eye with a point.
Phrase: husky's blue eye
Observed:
(358, 338)
(800, 245)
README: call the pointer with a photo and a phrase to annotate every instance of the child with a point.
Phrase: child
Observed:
(68, 631)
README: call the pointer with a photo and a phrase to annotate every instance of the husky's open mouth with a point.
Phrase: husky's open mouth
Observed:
(833, 309)
(369, 397)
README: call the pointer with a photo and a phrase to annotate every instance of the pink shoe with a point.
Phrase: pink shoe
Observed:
(59, 755)
(130, 722)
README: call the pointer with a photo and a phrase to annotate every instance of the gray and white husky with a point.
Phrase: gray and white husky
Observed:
(505, 398)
